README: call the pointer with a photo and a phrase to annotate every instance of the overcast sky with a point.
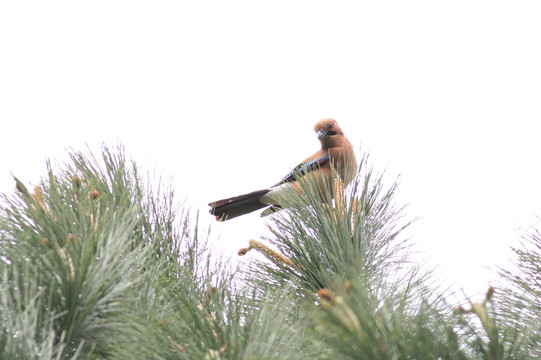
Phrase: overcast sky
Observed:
(222, 96)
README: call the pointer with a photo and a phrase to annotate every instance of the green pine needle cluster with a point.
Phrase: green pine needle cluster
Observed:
(100, 262)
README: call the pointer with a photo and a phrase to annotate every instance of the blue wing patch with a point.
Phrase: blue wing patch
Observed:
(303, 169)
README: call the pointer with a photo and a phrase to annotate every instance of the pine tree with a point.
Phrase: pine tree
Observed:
(99, 262)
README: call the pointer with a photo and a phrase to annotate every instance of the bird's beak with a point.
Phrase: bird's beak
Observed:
(322, 134)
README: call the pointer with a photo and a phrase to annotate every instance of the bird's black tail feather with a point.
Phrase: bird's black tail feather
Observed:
(230, 208)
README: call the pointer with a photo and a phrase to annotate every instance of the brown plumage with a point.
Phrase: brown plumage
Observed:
(335, 148)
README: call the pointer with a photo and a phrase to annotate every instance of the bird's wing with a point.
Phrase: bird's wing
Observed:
(303, 169)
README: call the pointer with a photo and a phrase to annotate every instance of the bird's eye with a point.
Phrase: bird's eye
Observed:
(331, 125)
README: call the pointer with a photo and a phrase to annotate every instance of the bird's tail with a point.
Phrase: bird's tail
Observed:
(230, 208)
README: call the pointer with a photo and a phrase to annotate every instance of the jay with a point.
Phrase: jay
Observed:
(335, 150)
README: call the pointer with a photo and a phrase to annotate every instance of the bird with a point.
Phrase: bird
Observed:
(336, 150)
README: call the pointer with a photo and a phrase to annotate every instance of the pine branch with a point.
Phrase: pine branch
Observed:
(77, 233)
(328, 241)
(97, 263)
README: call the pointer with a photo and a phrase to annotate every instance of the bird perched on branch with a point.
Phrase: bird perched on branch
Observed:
(335, 150)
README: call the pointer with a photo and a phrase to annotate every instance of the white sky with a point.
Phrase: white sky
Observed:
(223, 95)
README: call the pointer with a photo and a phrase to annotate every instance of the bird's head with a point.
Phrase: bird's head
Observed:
(328, 132)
